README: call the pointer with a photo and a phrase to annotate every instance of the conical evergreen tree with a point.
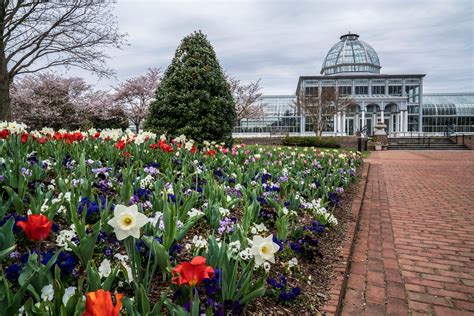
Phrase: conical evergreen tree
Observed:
(194, 98)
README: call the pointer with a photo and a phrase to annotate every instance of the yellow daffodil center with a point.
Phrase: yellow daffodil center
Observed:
(127, 220)
(265, 249)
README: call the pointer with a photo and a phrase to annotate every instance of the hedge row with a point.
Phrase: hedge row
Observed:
(305, 141)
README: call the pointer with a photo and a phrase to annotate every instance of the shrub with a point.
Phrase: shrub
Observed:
(305, 141)
(194, 97)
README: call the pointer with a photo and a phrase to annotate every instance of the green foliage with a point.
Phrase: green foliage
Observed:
(310, 142)
(194, 98)
(7, 240)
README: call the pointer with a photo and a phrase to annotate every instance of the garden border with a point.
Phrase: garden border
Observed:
(341, 270)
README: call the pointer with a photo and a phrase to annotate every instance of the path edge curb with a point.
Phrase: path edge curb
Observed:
(338, 285)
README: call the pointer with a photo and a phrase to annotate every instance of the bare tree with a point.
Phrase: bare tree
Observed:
(38, 35)
(136, 95)
(320, 107)
(246, 97)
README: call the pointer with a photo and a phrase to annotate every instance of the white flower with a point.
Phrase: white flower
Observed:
(127, 221)
(47, 293)
(245, 254)
(261, 227)
(292, 263)
(224, 212)
(194, 212)
(105, 269)
(258, 228)
(234, 247)
(64, 236)
(68, 293)
(129, 272)
(266, 266)
(121, 258)
(155, 219)
(263, 249)
(199, 242)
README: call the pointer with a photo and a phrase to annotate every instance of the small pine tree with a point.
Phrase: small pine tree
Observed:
(194, 97)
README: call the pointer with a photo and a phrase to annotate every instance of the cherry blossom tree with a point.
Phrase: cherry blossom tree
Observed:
(246, 97)
(38, 35)
(101, 111)
(136, 95)
(48, 99)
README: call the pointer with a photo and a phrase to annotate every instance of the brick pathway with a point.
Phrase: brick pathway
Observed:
(414, 249)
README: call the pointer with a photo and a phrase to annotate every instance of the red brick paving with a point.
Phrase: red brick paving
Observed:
(414, 247)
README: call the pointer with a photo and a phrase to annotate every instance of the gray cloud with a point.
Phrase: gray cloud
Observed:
(278, 41)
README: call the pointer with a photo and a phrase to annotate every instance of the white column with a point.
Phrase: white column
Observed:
(390, 123)
(335, 124)
(406, 121)
(344, 123)
(382, 116)
(339, 123)
(397, 122)
(363, 120)
(403, 123)
(302, 124)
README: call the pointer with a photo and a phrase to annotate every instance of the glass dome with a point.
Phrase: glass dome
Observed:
(351, 55)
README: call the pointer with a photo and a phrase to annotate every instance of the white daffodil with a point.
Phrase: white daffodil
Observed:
(263, 249)
(127, 221)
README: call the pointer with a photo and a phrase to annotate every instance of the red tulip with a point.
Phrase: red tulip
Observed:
(192, 273)
(97, 135)
(4, 133)
(99, 303)
(37, 227)
(211, 152)
(120, 145)
(57, 136)
(24, 137)
(165, 147)
(77, 136)
(42, 140)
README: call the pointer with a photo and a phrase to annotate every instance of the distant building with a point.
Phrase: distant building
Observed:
(353, 68)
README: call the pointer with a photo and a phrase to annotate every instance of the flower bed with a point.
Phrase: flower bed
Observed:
(93, 221)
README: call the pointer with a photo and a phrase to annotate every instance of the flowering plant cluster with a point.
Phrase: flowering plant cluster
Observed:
(99, 222)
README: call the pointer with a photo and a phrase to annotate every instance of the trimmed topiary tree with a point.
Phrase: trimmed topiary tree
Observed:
(194, 97)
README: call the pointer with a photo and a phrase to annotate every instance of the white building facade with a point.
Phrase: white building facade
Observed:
(352, 67)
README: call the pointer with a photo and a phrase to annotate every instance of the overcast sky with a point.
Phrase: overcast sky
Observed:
(279, 40)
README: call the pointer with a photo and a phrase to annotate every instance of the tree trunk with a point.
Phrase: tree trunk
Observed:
(137, 127)
(5, 109)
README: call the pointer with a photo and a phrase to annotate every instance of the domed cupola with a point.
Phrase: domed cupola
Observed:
(351, 55)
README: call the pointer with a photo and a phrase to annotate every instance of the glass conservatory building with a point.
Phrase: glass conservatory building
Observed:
(352, 68)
